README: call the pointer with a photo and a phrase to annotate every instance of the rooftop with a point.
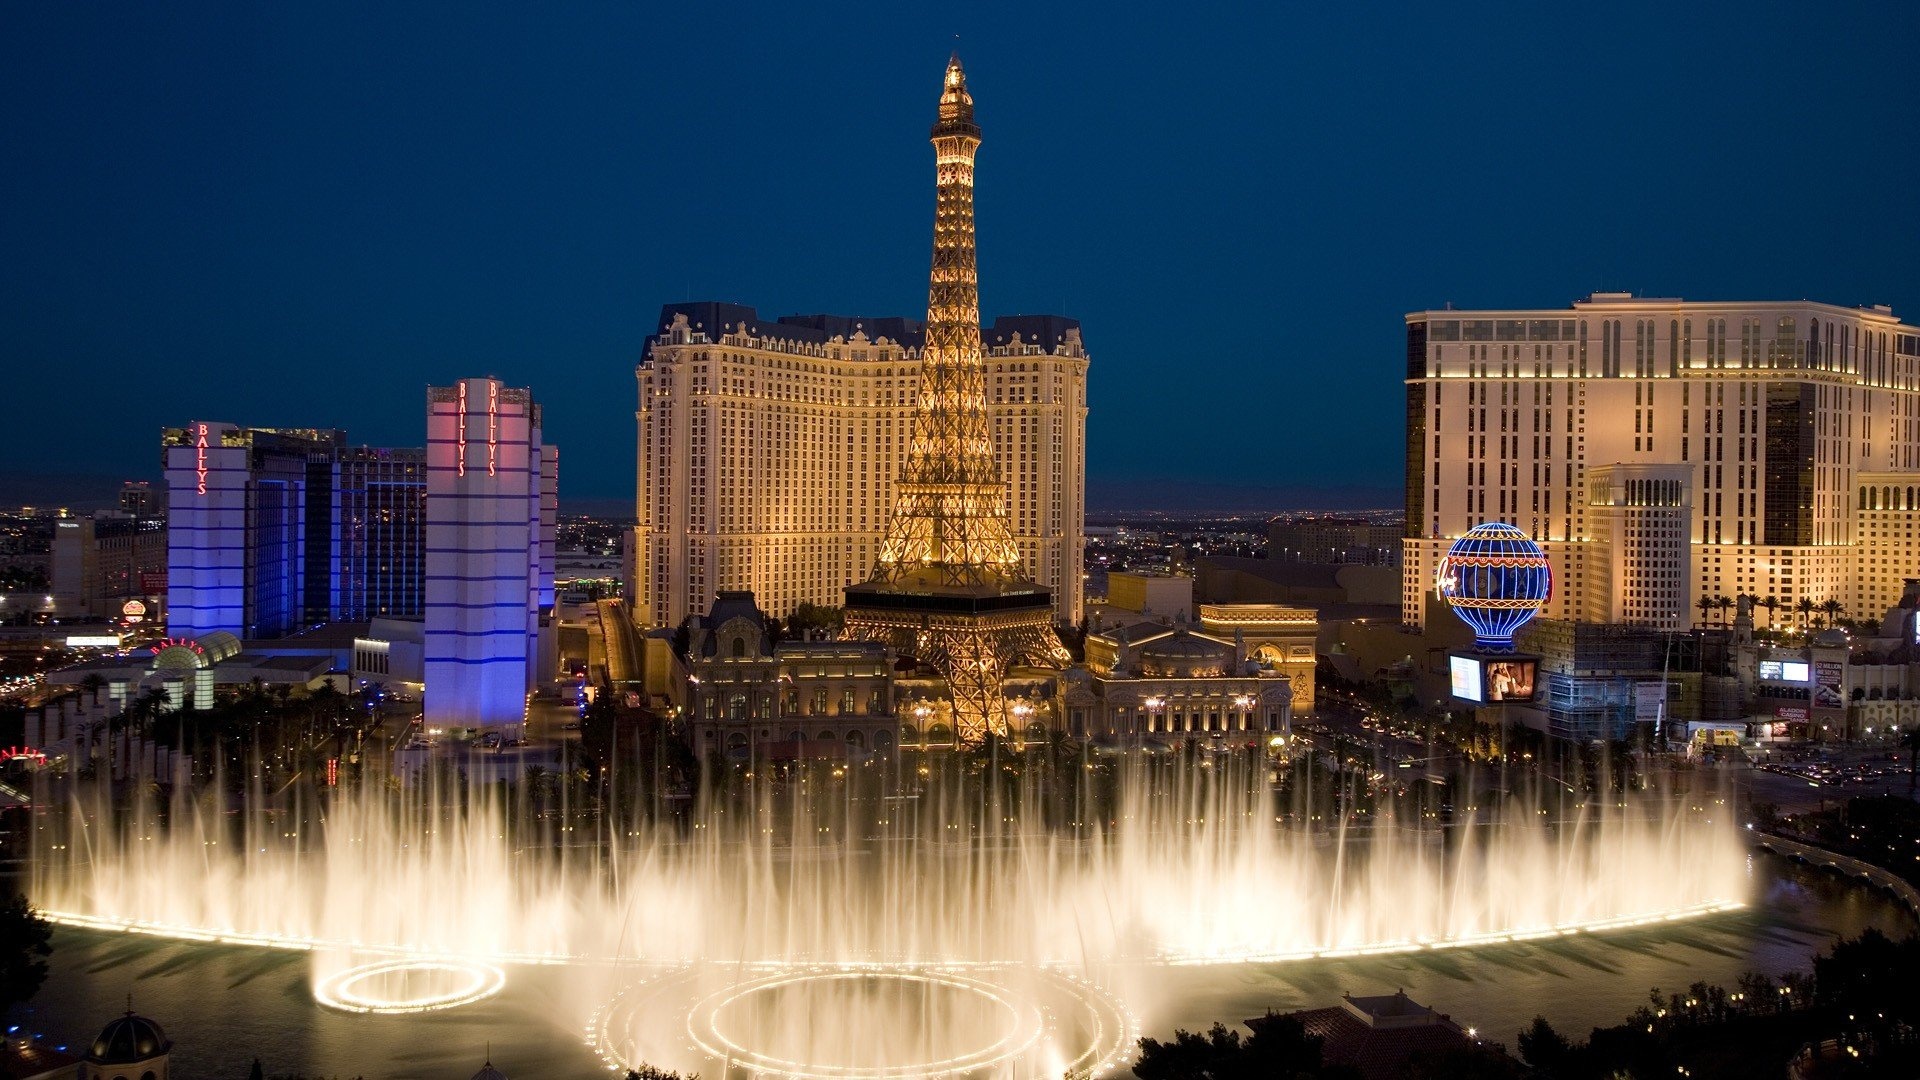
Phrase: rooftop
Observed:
(715, 318)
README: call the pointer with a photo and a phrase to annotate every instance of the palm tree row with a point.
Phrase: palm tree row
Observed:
(1830, 608)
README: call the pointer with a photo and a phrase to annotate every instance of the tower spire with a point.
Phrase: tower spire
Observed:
(951, 515)
(948, 588)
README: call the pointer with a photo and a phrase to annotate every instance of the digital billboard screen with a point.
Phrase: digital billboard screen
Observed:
(1793, 671)
(1464, 673)
(1493, 679)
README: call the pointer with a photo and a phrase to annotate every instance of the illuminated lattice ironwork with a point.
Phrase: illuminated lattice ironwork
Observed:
(949, 587)
(1495, 579)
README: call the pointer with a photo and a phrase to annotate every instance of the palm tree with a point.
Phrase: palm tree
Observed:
(1705, 605)
(152, 702)
(1772, 604)
(1805, 610)
(1724, 603)
(93, 682)
(1832, 609)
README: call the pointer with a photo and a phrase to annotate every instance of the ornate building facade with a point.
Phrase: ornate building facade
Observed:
(1797, 426)
(769, 450)
(754, 696)
(1152, 681)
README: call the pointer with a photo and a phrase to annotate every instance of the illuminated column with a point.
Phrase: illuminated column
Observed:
(483, 552)
(206, 532)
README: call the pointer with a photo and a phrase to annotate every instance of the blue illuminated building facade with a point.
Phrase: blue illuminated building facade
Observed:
(492, 493)
(274, 530)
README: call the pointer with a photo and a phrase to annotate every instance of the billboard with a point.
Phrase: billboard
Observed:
(1793, 671)
(1464, 674)
(1492, 679)
(1649, 701)
(1826, 686)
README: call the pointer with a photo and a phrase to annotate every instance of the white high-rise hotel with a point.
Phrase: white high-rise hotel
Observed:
(769, 450)
(1665, 451)
(492, 497)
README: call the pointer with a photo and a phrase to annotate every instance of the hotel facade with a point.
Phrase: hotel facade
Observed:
(492, 497)
(1665, 451)
(275, 530)
(769, 451)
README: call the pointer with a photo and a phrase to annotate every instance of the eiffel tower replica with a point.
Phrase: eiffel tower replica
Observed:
(949, 588)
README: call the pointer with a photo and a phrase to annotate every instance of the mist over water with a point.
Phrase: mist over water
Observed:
(979, 919)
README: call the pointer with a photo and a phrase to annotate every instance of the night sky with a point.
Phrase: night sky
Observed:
(301, 215)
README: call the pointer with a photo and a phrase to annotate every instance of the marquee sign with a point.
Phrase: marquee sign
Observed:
(178, 653)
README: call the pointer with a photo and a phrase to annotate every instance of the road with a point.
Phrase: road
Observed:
(621, 643)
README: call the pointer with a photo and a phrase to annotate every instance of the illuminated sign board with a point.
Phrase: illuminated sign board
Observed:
(1793, 671)
(493, 428)
(1493, 679)
(200, 458)
(1826, 686)
(1463, 673)
(460, 431)
(93, 641)
(187, 643)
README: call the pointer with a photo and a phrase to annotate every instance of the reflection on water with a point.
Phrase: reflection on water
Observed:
(225, 1005)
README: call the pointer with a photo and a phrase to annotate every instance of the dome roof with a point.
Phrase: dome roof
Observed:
(1184, 655)
(488, 1072)
(127, 1040)
(1182, 645)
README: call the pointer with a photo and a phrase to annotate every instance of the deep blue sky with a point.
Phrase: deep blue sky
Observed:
(285, 214)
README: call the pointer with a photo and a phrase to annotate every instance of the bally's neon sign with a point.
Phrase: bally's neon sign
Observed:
(460, 431)
(200, 459)
(493, 428)
(177, 643)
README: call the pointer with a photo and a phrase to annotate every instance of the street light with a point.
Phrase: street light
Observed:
(1157, 706)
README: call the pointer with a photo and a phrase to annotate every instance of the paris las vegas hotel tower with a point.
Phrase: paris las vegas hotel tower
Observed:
(771, 451)
(1664, 451)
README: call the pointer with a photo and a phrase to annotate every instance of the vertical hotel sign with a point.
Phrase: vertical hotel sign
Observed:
(460, 431)
(493, 428)
(200, 457)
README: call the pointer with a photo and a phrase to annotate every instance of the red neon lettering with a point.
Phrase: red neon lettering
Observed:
(461, 428)
(493, 428)
(200, 459)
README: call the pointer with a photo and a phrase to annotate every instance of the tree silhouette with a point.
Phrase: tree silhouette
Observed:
(25, 943)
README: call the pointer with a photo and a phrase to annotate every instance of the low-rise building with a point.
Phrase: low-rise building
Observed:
(1169, 682)
(753, 694)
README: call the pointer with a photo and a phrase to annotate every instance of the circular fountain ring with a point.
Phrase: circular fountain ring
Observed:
(392, 986)
(1018, 1025)
(1054, 1016)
